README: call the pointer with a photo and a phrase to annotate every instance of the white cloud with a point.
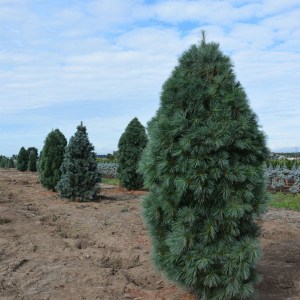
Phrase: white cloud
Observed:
(114, 12)
(137, 64)
(180, 11)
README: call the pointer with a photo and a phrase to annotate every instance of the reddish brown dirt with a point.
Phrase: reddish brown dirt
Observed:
(51, 248)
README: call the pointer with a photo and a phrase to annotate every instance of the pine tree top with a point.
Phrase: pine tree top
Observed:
(203, 38)
(81, 128)
(134, 134)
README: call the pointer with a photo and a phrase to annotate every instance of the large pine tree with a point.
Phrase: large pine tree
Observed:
(131, 145)
(51, 159)
(22, 160)
(204, 169)
(80, 173)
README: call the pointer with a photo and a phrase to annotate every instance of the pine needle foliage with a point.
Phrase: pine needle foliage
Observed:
(51, 158)
(79, 169)
(204, 169)
(22, 160)
(32, 161)
(131, 145)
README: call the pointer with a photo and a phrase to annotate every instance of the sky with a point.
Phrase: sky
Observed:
(103, 62)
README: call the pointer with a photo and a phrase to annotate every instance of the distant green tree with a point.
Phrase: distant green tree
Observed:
(11, 163)
(3, 161)
(32, 161)
(204, 169)
(109, 156)
(51, 158)
(35, 150)
(79, 169)
(22, 160)
(131, 145)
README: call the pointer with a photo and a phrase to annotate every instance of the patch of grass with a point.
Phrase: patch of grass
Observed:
(82, 206)
(287, 201)
(4, 221)
(125, 209)
(112, 181)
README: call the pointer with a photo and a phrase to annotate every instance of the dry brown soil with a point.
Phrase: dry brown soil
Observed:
(51, 248)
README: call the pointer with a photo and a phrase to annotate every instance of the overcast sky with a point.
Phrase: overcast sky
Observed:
(103, 62)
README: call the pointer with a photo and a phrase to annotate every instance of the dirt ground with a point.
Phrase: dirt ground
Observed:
(51, 248)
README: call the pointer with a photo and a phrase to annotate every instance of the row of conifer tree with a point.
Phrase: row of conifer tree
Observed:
(25, 160)
(71, 169)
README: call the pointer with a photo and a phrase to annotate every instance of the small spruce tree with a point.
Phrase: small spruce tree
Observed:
(22, 160)
(204, 169)
(131, 145)
(79, 169)
(51, 158)
(32, 161)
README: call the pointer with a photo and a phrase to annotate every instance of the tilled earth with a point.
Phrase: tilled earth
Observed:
(51, 248)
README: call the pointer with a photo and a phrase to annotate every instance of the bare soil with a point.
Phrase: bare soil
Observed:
(51, 248)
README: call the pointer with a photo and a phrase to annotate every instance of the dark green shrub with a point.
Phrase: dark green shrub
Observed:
(131, 145)
(79, 169)
(22, 160)
(204, 169)
(51, 159)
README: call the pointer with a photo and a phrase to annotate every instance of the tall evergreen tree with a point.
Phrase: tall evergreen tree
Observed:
(51, 158)
(79, 169)
(131, 145)
(32, 161)
(22, 160)
(204, 169)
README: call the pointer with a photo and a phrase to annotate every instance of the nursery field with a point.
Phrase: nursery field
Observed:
(51, 248)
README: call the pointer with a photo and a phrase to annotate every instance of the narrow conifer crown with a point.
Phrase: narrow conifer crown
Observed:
(131, 145)
(51, 159)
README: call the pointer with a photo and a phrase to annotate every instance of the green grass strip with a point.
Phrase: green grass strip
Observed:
(287, 201)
